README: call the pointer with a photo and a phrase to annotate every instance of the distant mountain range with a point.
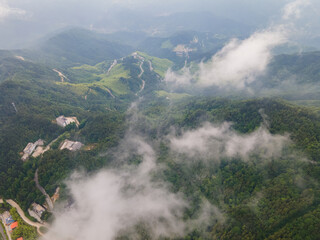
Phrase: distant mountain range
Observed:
(129, 21)
(168, 24)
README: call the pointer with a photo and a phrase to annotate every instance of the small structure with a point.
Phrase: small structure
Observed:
(70, 145)
(13, 226)
(20, 238)
(29, 149)
(63, 121)
(36, 211)
(9, 220)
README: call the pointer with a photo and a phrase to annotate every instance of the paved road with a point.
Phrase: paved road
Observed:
(48, 199)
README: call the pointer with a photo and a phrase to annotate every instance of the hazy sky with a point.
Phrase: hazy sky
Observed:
(22, 21)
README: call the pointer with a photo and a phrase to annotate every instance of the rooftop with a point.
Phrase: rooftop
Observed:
(13, 225)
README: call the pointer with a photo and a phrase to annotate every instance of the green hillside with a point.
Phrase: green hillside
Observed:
(251, 163)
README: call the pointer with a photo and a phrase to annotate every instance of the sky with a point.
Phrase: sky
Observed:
(23, 21)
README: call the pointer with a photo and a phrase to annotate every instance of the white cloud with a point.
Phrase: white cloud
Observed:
(240, 62)
(293, 9)
(114, 201)
(215, 142)
(7, 11)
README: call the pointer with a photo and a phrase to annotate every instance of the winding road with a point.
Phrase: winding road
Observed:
(43, 191)
(136, 55)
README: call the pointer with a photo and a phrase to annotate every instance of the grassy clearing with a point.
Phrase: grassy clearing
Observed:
(86, 67)
(78, 88)
(92, 76)
(160, 65)
(112, 80)
(172, 96)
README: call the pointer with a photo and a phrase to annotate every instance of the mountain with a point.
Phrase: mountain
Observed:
(217, 167)
(304, 66)
(170, 23)
(191, 45)
(83, 46)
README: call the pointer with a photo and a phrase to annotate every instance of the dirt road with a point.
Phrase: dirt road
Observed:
(61, 75)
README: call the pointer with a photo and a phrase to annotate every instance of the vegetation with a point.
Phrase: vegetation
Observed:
(277, 198)
(4, 231)
(23, 230)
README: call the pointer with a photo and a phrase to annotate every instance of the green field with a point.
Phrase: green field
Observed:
(91, 77)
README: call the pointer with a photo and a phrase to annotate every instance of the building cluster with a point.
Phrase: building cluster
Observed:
(30, 148)
(181, 50)
(63, 121)
(36, 211)
(70, 145)
(9, 222)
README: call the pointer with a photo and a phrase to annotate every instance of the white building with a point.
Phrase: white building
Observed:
(36, 211)
(29, 149)
(63, 121)
(70, 145)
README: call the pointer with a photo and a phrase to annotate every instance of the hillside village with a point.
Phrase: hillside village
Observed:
(37, 148)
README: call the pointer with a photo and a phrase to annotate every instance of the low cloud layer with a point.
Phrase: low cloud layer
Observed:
(216, 142)
(115, 201)
(240, 62)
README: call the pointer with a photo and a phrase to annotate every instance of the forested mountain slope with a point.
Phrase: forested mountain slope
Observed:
(242, 168)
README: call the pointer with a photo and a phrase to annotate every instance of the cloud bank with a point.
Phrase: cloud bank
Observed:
(240, 62)
(115, 201)
(216, 142)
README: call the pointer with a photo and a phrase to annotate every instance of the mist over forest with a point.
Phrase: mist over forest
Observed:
(131, 119)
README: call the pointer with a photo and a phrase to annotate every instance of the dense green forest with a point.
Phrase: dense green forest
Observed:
(259, 198)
